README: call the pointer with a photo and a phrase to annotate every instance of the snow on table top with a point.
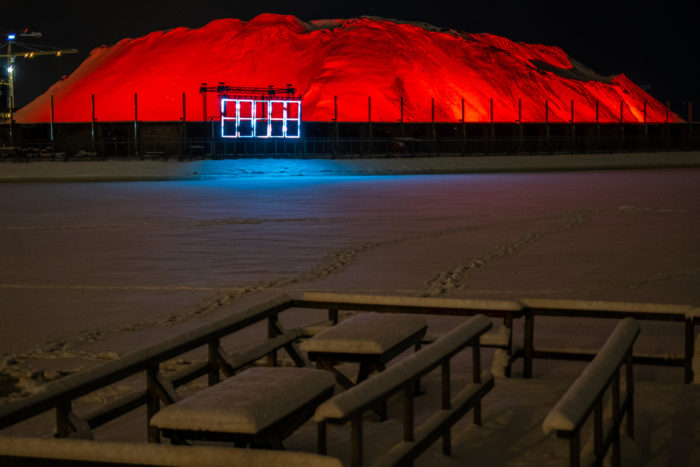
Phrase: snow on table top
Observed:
(430, 302)
(345, 403)
(158, 454)
(365, 333)
(572, 407)
(247, 402)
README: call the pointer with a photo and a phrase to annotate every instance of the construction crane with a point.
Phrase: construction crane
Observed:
(12, 49)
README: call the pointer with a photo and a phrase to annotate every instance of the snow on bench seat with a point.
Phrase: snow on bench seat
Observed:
(247, 402)
(365, 333)
(572, 408)
(26, 451)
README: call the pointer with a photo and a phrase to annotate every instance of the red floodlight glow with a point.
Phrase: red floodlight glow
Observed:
(336, 65)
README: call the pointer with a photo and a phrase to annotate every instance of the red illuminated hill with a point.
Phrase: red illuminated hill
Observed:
(351, 59)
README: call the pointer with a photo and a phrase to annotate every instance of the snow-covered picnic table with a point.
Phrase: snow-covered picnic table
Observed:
(259, 406)
(370, 339)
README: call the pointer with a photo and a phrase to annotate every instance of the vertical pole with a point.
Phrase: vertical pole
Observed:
(403, 132)
(690, 112)
(597, 112)
(136, 124)
(491, 103)
(546, 111)
(51, 135)
(520, 111)
(622, 108)
(432, 115)
(202, 90)
(464, 123)
(645, 112)
(335, 116)
(184, 113)
(92, 121)
(572, 111)
(369, 114)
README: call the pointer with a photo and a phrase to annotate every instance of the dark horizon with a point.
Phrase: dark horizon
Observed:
(651, 46)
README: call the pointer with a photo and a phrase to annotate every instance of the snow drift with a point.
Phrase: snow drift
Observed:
(352, 59)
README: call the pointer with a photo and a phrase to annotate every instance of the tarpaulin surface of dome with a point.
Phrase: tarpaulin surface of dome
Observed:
(432, 69)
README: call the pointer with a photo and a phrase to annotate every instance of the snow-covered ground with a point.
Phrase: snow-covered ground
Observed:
(89, 271)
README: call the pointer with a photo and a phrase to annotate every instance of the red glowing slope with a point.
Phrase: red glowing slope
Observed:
(351, 59)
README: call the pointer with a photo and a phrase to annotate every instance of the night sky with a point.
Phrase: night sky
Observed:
(653, 43)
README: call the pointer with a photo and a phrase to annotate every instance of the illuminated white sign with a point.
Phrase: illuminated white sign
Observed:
(260, 118)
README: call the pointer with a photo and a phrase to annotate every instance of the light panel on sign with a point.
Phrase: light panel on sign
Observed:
(260, 118)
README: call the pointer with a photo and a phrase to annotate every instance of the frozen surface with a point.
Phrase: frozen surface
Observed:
(92, 271)
(365, 333)
(247, 402)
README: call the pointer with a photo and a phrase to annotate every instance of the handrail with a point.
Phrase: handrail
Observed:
(351, 404)
(360, 398)
(64, 390)
(585, 395)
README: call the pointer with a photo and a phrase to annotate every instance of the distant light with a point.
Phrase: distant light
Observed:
(10, 69)
(58, 54)
(10, 37)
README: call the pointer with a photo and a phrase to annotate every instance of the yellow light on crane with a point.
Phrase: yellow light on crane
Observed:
(59, 53)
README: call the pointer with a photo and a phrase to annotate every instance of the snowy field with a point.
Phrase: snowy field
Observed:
(89, 271)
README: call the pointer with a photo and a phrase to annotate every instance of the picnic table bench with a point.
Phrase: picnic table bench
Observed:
(257, 407)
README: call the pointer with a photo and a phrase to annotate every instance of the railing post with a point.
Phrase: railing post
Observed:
(598, 428)
(408, 413)
(528, 343)
(508, 324)
(63, 428)
(575, 449)
(446, 404)
(476, 376)
(272, 331)
(322, 431)
(153, 402)
(689, 349)
(629, 383)
(213, 356)
(333, 315)
(356, 439)
(616, 418)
